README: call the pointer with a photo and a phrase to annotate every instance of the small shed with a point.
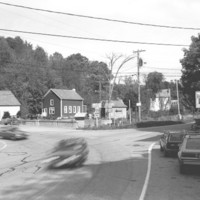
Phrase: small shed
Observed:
(116, 108)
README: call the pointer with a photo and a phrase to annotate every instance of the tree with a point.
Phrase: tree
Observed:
(119, 61)
(154, 82)
(190, 78)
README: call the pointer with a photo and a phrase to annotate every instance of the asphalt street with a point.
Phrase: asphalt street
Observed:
(121, 166)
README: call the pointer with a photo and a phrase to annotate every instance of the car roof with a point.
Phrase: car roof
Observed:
(193, 136)
(175, 133)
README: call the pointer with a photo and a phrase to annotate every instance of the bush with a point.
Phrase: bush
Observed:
(6, 115)
(156, 123)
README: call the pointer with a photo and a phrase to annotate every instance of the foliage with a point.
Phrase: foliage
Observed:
(6, 115)
(30, 72)
(33, 73)
(156, 123)
(191, 72)
(154, 82)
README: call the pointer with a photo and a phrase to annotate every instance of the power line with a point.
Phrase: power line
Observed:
(94, 39)
(101, 18)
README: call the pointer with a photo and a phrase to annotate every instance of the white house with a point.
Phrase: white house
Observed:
(162, 101)
(8, 103)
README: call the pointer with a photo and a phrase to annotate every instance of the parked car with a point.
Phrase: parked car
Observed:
(12, 133)
(189, 152)
(170, 141)
(68, 153)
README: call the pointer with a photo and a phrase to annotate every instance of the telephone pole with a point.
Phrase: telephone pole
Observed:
(139, 64)
(179, 113)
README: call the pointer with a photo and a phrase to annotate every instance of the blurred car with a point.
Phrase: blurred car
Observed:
(189, 152)
(170, 141)
(68, 153)
(196, 126)
(10, 121)
(12, 133)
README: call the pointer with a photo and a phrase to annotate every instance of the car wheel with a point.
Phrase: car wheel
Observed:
(166, 153)
(181, 168)
(13, 138)
(161, 148)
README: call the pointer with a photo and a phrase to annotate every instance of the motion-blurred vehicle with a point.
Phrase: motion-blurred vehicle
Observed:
(170, 141)
(196, 126)
(10, 121)
(189, 152)
(68, 153)
(12, 133)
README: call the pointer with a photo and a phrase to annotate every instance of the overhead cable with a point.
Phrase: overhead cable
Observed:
(93, 39)
(101, 18)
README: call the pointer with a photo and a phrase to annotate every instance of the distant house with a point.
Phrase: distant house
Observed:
(116, 108)
(162, 101)
(62, 103)
(8, 103)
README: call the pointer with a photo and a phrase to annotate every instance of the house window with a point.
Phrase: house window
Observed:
(74, 109)
(51, 102)
(51, 110)
(78, 109)
(70, 109)
(65, 109)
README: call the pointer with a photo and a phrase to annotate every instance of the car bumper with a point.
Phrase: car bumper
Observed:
(189, 161)
(171, 150)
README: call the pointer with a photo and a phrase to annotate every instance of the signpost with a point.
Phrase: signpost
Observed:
(197, 99)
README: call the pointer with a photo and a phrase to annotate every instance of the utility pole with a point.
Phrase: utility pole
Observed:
(179, 113)
(129, 102)
(99, 91)
(139, 64)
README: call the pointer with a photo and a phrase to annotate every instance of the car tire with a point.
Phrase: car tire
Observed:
(161, 148)
(166, 153)
(13, 138)
(181, 168)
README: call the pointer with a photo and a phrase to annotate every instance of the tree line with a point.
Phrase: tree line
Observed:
(30, 72)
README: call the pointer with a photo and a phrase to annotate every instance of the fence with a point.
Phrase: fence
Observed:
(54, 123)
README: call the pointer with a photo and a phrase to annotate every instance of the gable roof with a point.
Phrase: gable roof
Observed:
(116, 103)
(7, 98)
(66, 94)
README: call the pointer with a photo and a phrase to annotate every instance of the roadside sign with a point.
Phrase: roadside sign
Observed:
(197, 99)
(138, 104)
(96, 115)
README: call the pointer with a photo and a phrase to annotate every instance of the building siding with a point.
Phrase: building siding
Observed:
(74, 104)
(46, 104)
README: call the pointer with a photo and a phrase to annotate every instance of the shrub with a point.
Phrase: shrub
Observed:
(6, 115)
(156, 123)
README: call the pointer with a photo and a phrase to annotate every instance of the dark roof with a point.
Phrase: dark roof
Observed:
(7, 98)
(116, 103)
(67, 94)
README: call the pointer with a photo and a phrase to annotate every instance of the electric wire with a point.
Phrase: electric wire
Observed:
(93, 39)
(101, 18)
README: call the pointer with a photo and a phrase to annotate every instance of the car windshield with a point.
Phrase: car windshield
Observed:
(175, 137)
(193, 143)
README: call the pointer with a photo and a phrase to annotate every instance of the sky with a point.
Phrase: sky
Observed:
(160, 58)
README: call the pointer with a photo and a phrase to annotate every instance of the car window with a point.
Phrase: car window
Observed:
(193, 143)
(175, 137)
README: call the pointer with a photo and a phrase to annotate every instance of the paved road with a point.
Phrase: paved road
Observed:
(117, 168)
